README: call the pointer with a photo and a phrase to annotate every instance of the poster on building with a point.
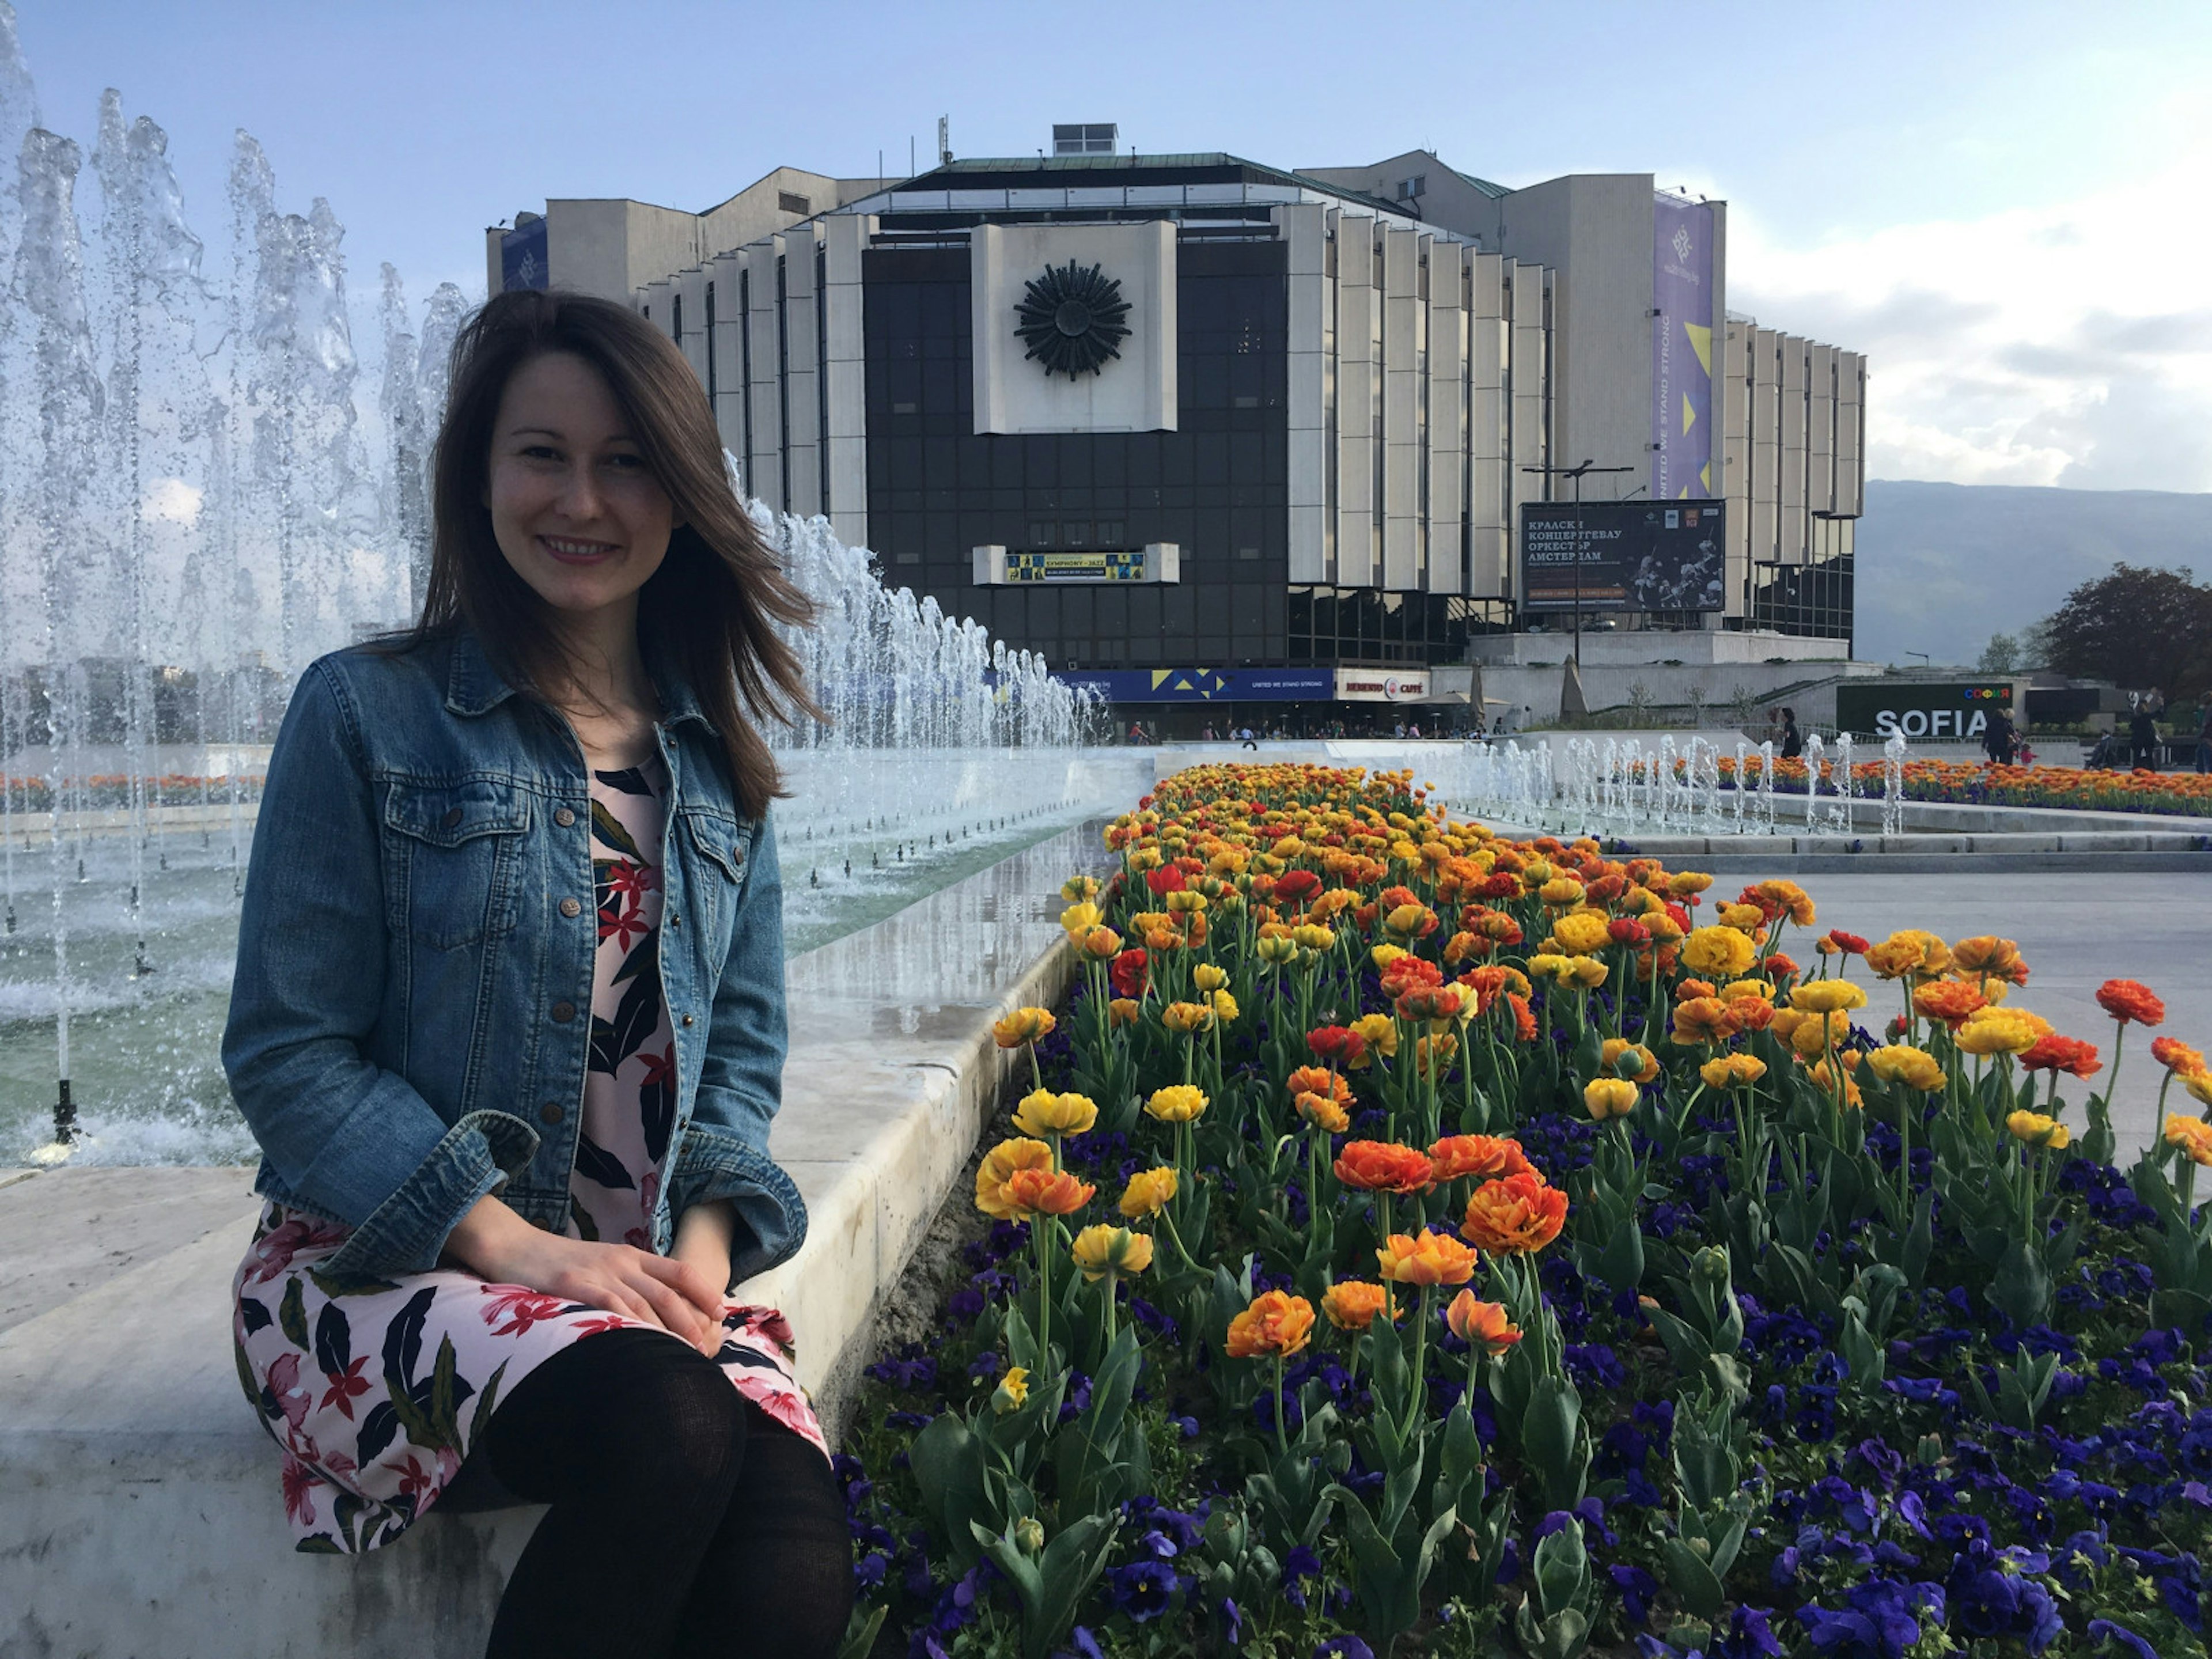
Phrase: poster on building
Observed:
(1114, 566)
(1949, 711)
(1681, 350)
(1202, 685)
(1621, 556)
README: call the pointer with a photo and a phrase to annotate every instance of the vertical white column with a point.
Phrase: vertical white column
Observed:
(1488, 423)
(1527, 370)
(764, 466)
(1765, 397)
(1794, 351)
(1304, 233)
(691, 286)
(1850, 416)
(728, 358)
(1735, 369)
(1401, 389)
(1356, 411)
(1446, 507)
(847, 234)
(802, 368)
(1820, 431)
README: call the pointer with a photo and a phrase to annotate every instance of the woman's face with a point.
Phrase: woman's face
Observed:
(575, 511)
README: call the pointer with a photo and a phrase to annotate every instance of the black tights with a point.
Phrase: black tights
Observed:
(685, 1521)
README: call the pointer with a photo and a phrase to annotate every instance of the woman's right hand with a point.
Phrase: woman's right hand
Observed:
(497, 1244)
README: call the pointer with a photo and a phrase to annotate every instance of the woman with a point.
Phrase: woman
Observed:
(1793, 740)
(508, 1025)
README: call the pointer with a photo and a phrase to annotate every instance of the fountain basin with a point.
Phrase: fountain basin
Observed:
(141, 1513)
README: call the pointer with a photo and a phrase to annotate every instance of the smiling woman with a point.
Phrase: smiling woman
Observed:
(534, 833)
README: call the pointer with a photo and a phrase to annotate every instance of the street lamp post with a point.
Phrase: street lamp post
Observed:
(1576, 473)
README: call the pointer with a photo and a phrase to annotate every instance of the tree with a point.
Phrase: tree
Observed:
(2137, 627)
(2000, 656)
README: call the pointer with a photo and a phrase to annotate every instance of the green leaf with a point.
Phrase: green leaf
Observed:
(292, 1317)
(1553, 1441)
(1070, 1563)
(1620, 1265)
(947, 1461)
(2021, 1288)
(860, 1632)
(1694, 1580)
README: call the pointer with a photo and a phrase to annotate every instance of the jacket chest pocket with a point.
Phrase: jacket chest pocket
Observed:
(453, 854)
(716, 874)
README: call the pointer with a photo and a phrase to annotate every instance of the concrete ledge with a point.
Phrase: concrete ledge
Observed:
(139, 1511)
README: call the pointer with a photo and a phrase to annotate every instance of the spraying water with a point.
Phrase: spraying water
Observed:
(203, 487)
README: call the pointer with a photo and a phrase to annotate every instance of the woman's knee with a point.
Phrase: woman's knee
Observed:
(625, 1416)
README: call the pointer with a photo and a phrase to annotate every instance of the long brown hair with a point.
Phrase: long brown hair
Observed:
(713, 604)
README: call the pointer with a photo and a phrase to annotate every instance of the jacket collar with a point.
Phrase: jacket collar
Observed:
(474, 687)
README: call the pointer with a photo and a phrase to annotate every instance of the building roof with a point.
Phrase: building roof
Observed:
(1011, 173)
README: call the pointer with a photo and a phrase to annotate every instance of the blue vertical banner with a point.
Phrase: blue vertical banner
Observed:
(522, 262)
(1682, 350)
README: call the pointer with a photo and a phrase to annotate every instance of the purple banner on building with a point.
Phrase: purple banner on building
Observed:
(1683, 462)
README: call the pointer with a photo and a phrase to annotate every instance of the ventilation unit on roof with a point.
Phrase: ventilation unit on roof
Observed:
(1086, 138)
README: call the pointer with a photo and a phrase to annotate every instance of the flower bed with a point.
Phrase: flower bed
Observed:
(1969, 783)
(1417, 1241)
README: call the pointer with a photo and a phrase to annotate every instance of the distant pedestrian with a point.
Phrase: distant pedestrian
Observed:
(1792, 741)
(2000, 738)
(2205, 736)
(2142, 734)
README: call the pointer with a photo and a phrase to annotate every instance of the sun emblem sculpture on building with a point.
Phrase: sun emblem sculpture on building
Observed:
(1072, 320)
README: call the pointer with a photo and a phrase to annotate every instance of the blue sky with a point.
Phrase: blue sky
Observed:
(1997, 205)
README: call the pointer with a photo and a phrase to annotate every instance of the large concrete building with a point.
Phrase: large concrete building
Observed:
(1210, 431)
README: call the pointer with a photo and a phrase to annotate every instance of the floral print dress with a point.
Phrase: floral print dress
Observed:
(375, 1389)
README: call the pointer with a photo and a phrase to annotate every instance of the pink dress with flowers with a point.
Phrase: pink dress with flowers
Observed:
(376, 1389)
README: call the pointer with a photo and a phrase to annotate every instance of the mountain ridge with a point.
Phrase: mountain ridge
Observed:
(1941, 566)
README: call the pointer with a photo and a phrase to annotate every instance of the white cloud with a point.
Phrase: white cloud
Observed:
(170, 500)
(2067, 345)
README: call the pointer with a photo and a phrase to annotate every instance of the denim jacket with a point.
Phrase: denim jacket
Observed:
(411, 1015)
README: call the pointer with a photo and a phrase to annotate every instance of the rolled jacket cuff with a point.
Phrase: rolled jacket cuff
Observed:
(405, 1233)
(715, 1164)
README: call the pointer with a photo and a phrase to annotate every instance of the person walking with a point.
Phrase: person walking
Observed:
(1792, 741)
(2143, 733)
(510, 1040)
(2000, 738)
(2205, 735)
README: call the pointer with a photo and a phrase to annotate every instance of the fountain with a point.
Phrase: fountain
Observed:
(203, 487)
(1624, 788)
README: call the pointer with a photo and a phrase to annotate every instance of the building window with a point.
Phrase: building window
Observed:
(788, 203)
(711, 387)
(1411, 189)
(1085, 138)
(676, 320)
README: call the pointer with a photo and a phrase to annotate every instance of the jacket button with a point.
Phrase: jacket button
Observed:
(676, 919)
(570, 907)
(687, 1019)
(564, 1012)
(452, 819)
(563, 817)
(551, 1112)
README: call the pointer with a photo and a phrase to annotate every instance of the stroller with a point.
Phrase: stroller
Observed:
(2107, 754)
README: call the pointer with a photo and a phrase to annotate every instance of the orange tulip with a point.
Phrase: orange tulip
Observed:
(1276, 1326)
(1477, 1155)
(1481, 1324)
(1425, 1259)
(1515, 1215)
(1383, 1166)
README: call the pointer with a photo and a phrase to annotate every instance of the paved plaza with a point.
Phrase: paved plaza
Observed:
(2075, 932)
